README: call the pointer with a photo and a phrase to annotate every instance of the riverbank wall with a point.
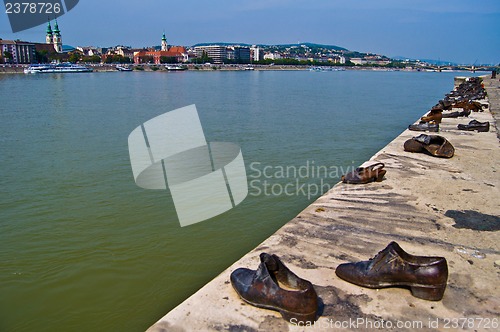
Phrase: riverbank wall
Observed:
(430, 206)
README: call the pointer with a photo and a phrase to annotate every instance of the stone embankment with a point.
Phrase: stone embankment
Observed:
(430, 206)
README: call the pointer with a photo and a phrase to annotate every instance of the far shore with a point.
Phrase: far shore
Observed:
(19, 69)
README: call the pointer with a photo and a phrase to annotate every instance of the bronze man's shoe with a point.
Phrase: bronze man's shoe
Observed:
(426, 276)
(368, 174)
(475, 125)
(412, 145)
(434, 145)
(453, 114)
(297, 302)
(456, 114)
(425, 126)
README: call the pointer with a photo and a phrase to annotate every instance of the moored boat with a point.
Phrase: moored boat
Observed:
(123, 68)
(175, 68)
(56, 68)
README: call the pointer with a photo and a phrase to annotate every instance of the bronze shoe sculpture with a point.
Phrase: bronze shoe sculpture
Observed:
(297, 302)
(475, 125)
(367, 174)
(434, 145)
(425, 126)
(434, 115)
(425, 276)
(469, 105)
(456, 114)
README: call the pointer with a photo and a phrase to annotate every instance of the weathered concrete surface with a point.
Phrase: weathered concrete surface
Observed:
(430, 206)
(492, 86)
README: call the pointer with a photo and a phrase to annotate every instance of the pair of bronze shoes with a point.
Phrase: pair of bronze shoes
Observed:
(434, 145)
(367, 174)
(273, 286)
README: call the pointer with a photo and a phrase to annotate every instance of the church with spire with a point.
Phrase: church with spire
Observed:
(178, 53)
(54, 36)
(164, 45)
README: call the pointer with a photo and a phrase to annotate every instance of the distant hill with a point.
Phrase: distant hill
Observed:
(313, 45)
(430, 61)
(220, 43)
(310, 45)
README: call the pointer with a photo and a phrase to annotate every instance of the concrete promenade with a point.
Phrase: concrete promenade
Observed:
(430, 206)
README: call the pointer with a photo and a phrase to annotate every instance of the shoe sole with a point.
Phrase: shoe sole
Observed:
(429, 130)
(287, 315)
(480, 130)
(424, 292)
(378, 178)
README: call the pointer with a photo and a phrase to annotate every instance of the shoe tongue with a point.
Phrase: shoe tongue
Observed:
(382, 257)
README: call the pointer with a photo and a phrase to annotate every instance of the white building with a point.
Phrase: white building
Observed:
(272, 56)
(337, 59)
(256, 53)
(88, 51)
(217, 53)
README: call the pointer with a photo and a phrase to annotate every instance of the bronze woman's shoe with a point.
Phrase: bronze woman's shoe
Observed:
(262, 288)
(368, 174)
(434, 145)
(426, 276)
(438, 107)
(475, 125)
(434, 115)
(425, 126)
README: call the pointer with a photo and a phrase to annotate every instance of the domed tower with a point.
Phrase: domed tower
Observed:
(57, 38)
(164, 45)
(48, 35)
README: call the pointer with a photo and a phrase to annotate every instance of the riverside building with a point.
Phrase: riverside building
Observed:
(178, 53)
(17, 52)
(219, 53)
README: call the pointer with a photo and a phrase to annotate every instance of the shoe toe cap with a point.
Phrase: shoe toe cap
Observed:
(346, 271)
(241, 279)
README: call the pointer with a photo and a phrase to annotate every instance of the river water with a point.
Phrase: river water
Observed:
(83, 248)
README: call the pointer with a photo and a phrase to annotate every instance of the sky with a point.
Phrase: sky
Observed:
(460, 31)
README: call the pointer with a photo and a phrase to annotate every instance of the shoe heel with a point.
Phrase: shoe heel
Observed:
(426, 293)
(380, 175)
(295, 318)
